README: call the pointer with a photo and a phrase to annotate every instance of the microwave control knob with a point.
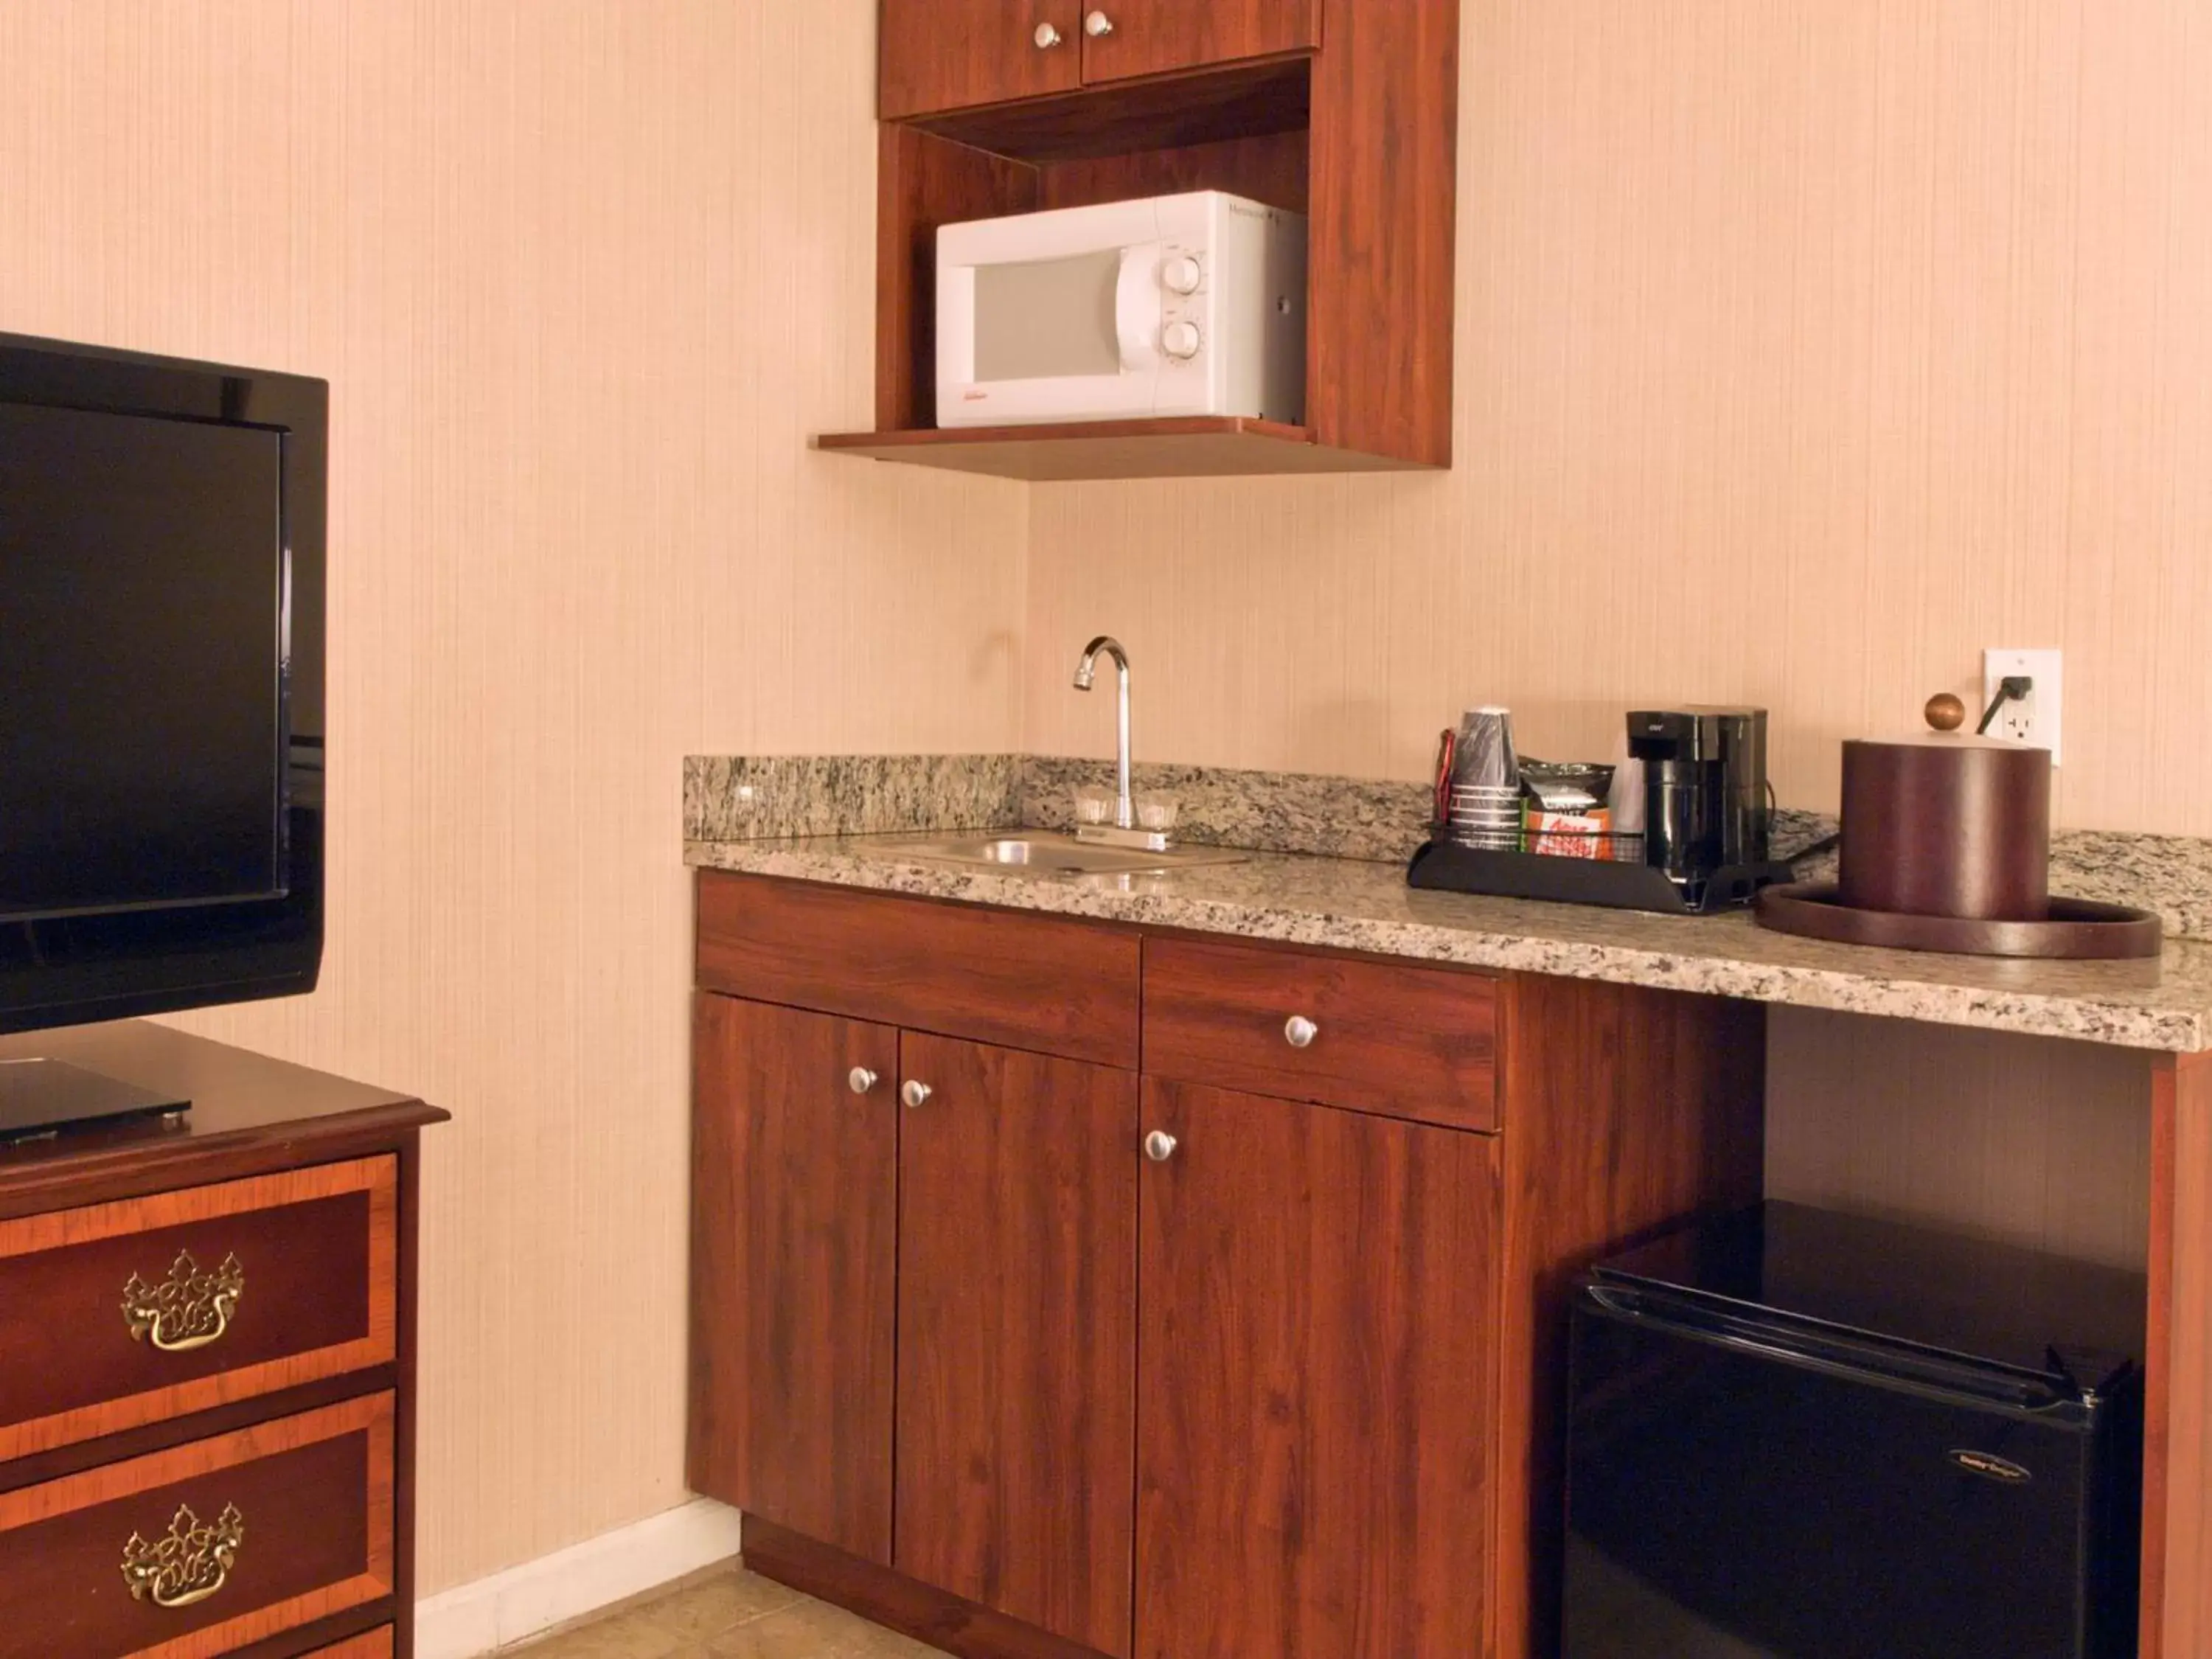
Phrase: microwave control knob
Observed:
(1180, 339)
(1181, 275)
(1046, 37)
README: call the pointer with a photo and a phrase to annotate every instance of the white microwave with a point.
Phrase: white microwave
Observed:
(1176, 305)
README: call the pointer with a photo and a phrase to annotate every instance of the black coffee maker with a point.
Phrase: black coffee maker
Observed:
(1704, 790)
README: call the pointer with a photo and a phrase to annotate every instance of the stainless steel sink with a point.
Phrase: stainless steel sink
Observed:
(1046, 853)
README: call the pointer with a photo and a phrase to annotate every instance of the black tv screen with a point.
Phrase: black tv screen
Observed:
(161, 740)
(142, 751)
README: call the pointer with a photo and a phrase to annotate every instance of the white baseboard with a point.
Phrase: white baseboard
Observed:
(495, 1613)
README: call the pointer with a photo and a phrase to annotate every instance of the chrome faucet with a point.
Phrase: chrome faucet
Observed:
(1125, 811)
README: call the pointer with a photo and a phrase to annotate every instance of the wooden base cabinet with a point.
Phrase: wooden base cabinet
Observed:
(990, 1220)
(1227, 1331)
(1318, 1352)
(1017, 1308)
(795, 1218)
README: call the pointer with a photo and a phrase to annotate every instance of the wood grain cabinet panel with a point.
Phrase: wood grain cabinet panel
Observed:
(1025, 981)
(1155, 37)
(951, 54)
(1017, 1202)
(1318, 1352)
(274, 1526)
(793, 1230)
(1417, 1042)
(371, 1645)
(122, 1314)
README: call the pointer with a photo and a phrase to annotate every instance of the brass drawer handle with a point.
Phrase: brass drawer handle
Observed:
(189, 1563)
(188, 1310)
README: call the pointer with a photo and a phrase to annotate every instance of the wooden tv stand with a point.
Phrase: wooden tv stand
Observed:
(207, 1364)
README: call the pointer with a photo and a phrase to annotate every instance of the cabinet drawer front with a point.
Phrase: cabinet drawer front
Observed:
(372, 1644)
(1023, 982)
(119, 1315)
(1414, 1043)
(206, 1547)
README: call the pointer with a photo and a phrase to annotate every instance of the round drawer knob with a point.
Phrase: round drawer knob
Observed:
(1159, 1145)
(860, 1080)
(1299, 1031)
(1046, 36)
(915, 1094)
(1097, 25)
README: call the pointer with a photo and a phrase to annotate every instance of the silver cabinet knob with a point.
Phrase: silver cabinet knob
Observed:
(915, 1094)
(1159, 1145)
(1299, 1031)
(860, 1080)
(1046, 36)
(1098, 24)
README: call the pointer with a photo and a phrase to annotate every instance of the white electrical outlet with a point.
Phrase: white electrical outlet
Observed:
(2034, 719)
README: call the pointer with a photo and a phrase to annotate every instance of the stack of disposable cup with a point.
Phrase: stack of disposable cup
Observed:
(1485, 786)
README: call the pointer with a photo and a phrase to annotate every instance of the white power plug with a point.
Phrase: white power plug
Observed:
(2032, 719)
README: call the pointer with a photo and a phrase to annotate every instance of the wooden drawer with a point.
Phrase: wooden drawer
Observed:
(193, 1552)
(122, 1314)
(1412, 1043)
(370, 1644)
(1023, 982)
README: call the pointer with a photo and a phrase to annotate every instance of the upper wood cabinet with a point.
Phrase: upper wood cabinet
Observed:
(940, 55)
(1346, 112)
(952, 54)
(1122, 39)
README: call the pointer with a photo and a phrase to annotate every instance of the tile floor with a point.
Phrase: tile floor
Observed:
(732, 1614)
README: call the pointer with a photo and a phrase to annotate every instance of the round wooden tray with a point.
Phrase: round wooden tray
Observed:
(2079, 929)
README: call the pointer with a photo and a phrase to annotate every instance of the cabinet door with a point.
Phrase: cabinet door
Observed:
(794, 1222)
(1152, 36)
(1316, 1352)
(951, 54)
(1017, 1258)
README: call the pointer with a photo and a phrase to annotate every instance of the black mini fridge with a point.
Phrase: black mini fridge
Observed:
(1794, 1434)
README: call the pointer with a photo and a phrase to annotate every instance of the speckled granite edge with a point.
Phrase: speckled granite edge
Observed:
(750, 798)
(758, 798)
(1357, 906)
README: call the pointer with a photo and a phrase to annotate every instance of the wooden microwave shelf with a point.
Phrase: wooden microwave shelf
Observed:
(1181, 447)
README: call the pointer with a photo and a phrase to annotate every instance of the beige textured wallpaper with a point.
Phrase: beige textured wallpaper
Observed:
(2032, 1141)
(1806, 347)
(583, 275)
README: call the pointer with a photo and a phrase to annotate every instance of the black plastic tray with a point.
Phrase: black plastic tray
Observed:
(1619, 885)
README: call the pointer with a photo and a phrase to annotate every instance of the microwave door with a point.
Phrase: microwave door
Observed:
(1066, 339)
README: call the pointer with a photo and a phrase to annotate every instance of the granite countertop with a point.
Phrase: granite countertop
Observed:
(1359, 905)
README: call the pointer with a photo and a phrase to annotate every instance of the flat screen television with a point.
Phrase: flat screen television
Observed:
(161, 740)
